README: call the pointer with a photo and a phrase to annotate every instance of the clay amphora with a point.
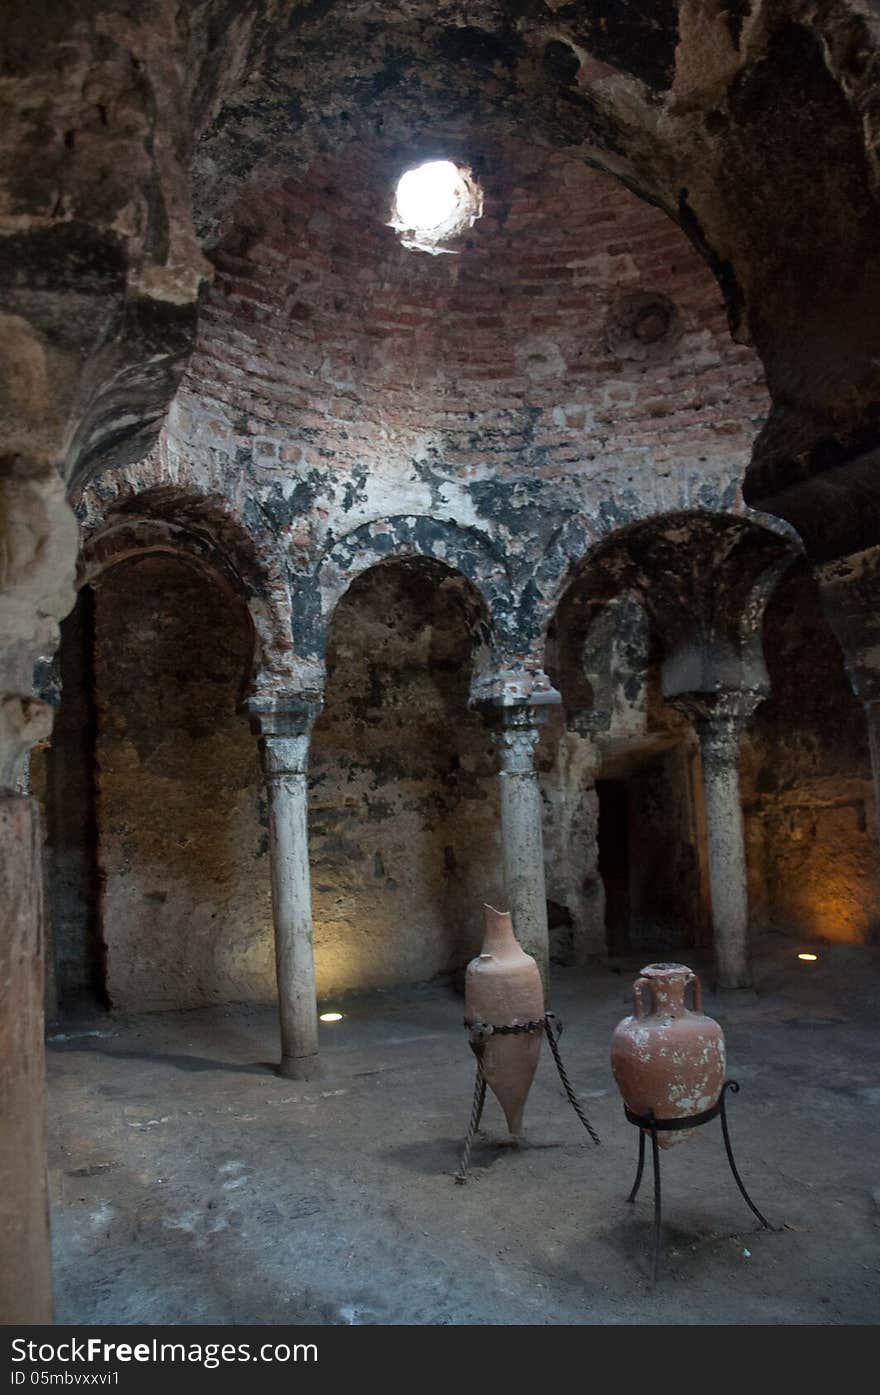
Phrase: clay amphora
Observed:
(503, 989)
(667, 1059)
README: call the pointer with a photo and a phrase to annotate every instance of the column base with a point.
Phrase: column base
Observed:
(301, 1067)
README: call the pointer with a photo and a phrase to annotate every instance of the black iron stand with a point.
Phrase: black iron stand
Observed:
(646, 1123)
(479, 1033)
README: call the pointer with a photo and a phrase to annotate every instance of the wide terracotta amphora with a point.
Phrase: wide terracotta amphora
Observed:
(668, 1059)
(503, 989)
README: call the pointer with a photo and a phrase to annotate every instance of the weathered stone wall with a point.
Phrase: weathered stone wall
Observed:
(807, 788)
(404, 822)
(403, 800)
(181, 831)
(575, 892)
(403, 808)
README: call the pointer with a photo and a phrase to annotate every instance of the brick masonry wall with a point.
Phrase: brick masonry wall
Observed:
(340, 377)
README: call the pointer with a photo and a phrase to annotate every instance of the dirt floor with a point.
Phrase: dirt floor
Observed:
(191, 1184)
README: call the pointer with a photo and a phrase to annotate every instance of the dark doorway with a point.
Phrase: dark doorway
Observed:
(614, 862)
(73, 882)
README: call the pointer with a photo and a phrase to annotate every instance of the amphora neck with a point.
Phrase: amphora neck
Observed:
(668, 984)
(498, 936)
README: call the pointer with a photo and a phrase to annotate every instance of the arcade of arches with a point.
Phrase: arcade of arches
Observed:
(352, 581)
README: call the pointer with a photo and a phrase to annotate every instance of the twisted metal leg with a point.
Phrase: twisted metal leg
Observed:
(640, 1169)
(734, 1088)
(563, 1076)
(482, 1089)
(656, 1158)
(461, 1175)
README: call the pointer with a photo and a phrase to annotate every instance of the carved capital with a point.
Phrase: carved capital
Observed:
(719, 719)
(285, 755)
(284, 726)
(517, 730)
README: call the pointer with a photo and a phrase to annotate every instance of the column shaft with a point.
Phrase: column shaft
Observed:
(522, 817)
(726, 849)
(292, 902)
(25, 1279)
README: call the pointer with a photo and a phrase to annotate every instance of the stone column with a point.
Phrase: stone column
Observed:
(38, 542)
(517, 732)
(25, 1274)
(285, 729)
(718, 721)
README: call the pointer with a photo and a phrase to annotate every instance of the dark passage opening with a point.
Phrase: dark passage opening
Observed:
(614, 862)
(73, 881)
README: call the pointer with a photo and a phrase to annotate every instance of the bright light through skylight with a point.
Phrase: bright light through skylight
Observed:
(434, 202)
(428, 195)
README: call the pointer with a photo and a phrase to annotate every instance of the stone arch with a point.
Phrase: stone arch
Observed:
(204, 532)
(460, 550)
(579, 540)
(712, 635)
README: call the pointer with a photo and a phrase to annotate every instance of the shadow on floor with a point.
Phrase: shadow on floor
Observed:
(161, 1058)
(437, 1156)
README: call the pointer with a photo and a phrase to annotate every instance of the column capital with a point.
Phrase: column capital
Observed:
(513, 686)
(288, 714)
(517, 730)
(284, 726)
(720, 716)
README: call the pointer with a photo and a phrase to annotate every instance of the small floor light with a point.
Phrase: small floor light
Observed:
(331, 1016)
(808, 958)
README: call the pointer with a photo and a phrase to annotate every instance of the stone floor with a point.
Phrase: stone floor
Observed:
(191, 1184)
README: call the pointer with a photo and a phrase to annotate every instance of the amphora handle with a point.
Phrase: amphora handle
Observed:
(639, 984)
(693, 982)
(642, 983)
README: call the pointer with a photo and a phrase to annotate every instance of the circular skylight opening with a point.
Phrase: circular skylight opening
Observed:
(435, 202)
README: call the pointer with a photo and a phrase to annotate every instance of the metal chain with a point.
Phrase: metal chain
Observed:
(480, 1030)
(572, 1097)
(476, 1115)
(479, 1034)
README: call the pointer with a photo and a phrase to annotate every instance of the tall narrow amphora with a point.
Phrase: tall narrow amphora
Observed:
(503, 989)
(668, 1059)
